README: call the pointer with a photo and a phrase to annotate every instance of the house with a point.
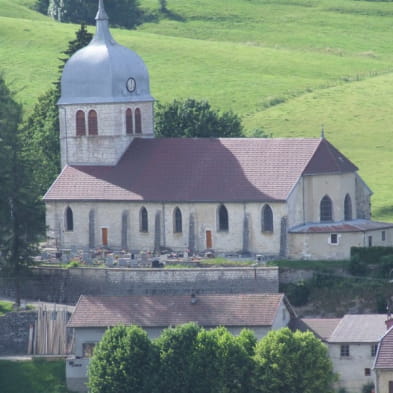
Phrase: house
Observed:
(122, 188)
(383, 365)
(94, 314)
(352, 344)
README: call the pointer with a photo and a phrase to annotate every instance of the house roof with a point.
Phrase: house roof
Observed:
(362, 328)
(162, 311)
(343, 226)
(202, 170)
(321, 327)
(384, 357)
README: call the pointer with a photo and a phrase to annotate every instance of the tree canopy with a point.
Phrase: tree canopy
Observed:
(292, 362)
(124, 13)
(191, 118)
(190, 359)
(20, 205)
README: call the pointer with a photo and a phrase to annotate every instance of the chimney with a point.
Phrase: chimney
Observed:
(389, 322)
(193, 298)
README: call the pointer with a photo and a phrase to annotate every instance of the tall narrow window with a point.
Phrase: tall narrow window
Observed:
(138, 121)
(326, 213)
(143, 222)
(177, 221)
(69, 219)
(124, 230)
(92, 123)
(223, 223)
(128, 121)
(267, 219)
(80, 123)
(347, 208)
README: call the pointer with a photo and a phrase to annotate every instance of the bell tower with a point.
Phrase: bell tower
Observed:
(105, 100)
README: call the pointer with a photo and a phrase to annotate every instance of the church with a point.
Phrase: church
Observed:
(124, 189)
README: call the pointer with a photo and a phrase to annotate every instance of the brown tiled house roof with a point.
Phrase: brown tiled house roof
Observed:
(202, 170)
(384, 357)
(163, 311)
(321, 327)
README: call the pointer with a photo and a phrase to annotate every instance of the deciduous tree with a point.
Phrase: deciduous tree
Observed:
(191, 118)
(292, 362)
(20, 206)
(124, 361)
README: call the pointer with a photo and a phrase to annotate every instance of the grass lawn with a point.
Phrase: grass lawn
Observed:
(36, 376)
(5, 307)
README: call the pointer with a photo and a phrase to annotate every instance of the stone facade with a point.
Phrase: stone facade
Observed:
(66, 285)
(14, 328)
(112, 140)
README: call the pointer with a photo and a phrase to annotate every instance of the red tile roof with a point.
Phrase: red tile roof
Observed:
(345, 226)
(162, 311)
(202, 170)
(384, 357)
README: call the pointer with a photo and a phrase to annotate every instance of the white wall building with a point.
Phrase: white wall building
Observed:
(124, 189)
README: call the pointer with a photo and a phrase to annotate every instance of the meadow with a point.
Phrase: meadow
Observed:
(287, 67)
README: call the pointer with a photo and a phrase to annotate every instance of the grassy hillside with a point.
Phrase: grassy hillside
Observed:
(286, 66)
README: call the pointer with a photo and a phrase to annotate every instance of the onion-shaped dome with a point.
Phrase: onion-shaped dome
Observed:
(104, 71)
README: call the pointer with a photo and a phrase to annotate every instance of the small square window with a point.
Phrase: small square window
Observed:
(383, 236)
(333, 238)
(344, 350)
(367, 372)
(88, 349)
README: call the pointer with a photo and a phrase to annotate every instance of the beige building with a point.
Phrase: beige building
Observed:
(122, 188)
(94, 314)
(352, 343)
(383, 365)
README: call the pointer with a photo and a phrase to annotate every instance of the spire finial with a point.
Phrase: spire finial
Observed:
(101, 14)
(322, 131)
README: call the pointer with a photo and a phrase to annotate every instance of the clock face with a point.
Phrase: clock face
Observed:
(131, 84)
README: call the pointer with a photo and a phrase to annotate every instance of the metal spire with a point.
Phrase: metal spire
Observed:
(102, 26)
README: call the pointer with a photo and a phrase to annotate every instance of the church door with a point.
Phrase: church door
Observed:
(209, 241)
(104, 232)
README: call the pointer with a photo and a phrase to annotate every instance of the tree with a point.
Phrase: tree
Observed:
(20, 206)
(292, 363)
(191, 118)
(124, 361)
(176, 346)
(124, 13)
(41, 129)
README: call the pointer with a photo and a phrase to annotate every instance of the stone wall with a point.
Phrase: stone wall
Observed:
(66, 285)
(14, 332)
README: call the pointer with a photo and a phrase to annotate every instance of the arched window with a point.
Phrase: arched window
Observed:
(177, 221)
(128, 121)
(92, 123)
(223, 223)
(80, 123)
(267, 219)
(347, 208)
(326, 209)
(69, 219)
(143, 222)
(138, 121)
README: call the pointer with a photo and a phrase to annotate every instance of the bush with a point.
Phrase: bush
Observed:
(368, 388)
(298, 294)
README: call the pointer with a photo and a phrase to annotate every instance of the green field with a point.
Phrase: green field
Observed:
(285, 66)
(34, 376)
